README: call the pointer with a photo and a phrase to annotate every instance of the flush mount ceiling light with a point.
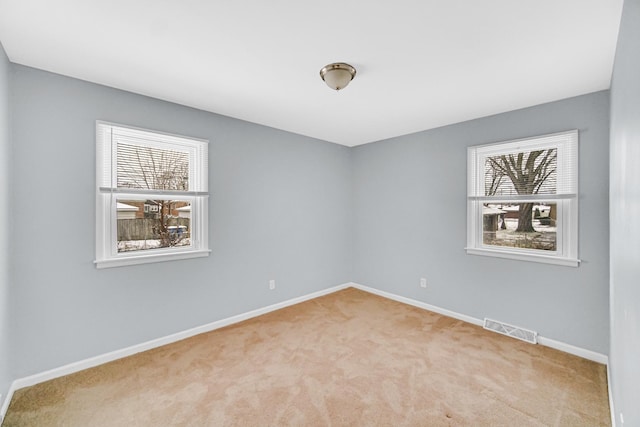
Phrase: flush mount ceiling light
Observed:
(337, 75)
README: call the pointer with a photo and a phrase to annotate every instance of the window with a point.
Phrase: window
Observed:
(522, 199)
(151, 201)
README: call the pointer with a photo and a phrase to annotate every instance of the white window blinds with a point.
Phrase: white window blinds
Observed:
(133, 159)
(540, 168)
(522, 199)
(152, 196)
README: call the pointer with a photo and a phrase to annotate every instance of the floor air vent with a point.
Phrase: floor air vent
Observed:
(512, 331)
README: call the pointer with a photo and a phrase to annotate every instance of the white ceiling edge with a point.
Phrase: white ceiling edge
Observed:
(421, 65)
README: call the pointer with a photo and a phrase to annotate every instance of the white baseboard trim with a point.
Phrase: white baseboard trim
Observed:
(138, 348)
(572, 349)
(547, 342)
(610, 391)
(419, 304)
(7, 400)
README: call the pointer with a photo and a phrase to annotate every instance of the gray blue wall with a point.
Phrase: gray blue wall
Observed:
(304, 212)
(279, 209)
(625, 214)
(5, 204)
(410, 222)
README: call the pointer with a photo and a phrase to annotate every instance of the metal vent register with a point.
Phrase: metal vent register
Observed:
(511, 331)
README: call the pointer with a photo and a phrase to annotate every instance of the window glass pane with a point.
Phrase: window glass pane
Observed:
(152, 168)
(153, 224)
(523, 225)
(529, 172)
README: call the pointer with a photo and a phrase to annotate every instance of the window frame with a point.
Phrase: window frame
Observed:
(108, 194)
(566, 253)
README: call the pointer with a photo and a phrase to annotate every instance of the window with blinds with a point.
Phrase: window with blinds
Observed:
(151, 196)
(522, 199)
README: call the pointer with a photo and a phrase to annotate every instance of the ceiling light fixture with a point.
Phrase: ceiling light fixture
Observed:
(337, 75)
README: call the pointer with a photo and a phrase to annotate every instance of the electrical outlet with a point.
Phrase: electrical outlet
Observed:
(423, 282)
(272, 284)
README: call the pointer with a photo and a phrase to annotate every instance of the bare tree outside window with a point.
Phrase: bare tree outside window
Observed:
(151, 193)
(529, 173)
(522, 199)
(150, 168)
(493, 179)
(522, 174)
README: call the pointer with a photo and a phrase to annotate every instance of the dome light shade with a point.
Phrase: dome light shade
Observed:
(337, 75)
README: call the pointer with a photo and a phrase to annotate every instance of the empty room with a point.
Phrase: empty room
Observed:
(291, 213)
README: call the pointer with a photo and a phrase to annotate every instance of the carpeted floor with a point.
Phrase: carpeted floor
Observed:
(346, 359)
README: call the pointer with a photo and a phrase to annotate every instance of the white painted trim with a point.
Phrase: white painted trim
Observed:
(547, 342)
(610, 392)
(547, 259)
(128, 351)
(107, 137)
(566, 145)
(571, 349)
(150, 258)
(7, 400)
(138, 348)
(419, 304)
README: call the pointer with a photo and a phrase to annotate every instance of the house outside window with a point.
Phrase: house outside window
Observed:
(150, 209)
(143, 178)
(522, 199)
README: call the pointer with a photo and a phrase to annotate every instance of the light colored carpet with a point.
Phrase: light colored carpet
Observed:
(346, 359)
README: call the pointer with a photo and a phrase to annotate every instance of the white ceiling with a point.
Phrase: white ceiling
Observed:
(420, 63)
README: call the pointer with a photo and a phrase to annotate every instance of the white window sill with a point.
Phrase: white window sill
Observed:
(547, 259)
(150, 258)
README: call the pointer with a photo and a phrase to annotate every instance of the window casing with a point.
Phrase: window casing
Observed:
(142, 179)
(522, 199)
